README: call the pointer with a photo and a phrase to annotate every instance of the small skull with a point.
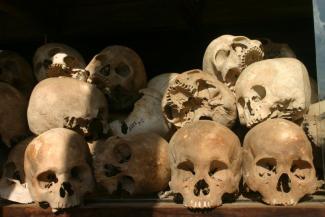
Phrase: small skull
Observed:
(132, 165)
(278, 162)
(68, 103)
(276, 50)
(205, 159)
(197, 95)
(272, 88)
(59, 56)
(227, 56)
(57, 169)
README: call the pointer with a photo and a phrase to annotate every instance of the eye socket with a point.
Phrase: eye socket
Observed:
(216, 166)
(186, 166)
(123, 70)
(122, 152)
(47, 179)
(261, 92)
(266, 166)
(105, 70)
(301, 169)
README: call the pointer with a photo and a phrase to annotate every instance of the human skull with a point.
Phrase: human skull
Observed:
(12, 184)
(57, 169)
(136, 164)
(276, 50)
(68, 103)
(227, 56)
(146, 117)
(161, 82)
(272, 88)
(197, 95)
(16, 71)
(13, 120)
(278, 162)
(55, 55)
(205, 160)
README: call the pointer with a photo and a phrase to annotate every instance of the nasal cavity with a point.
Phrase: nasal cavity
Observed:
(201, 186)
(284, 183)
(66, 189)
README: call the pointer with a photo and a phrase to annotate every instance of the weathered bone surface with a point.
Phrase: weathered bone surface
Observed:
(16, 71)
(146, 117)
(60, 56)
(13, 120)
(161, 82)
(272, 88)
(132, 165)
(57, 169)
(227, 56)
(68, 103)
(278, 162)
(205, 159)
(197, 95)
(276, 50)
(13, 186)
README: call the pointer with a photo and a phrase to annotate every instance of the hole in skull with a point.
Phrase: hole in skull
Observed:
(238, 46)
(54, 51)
(205, 118)
(66, 188)
(70, 61)
(122, 152)
(124, 128)
(126, 185)
(284, 183)
(261, 92)
(111, 170)
(202, 85)
(168, 110)
(47, 179)
(266, 167)
(44, 204)
(10, 171)
(186, 166)
(216, 166)
(123, 70)
(301, 169)
(232, 76)
(105, 70)
(47, 63)
(201, 186)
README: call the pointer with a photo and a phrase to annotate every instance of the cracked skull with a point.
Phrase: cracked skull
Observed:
(57, 169)
(227, 56)
(197, 95)
(60, 56)
(205, 159)
(68, 103)
(278, 162)
(273, 88)
(132, 165)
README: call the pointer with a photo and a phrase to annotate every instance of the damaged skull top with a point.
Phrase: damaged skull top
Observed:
(59, 56)
(120, 73)
(57, 169)
(273, 88)
(227, 56)
(131, 165)
(197, 95)
(278, 162)
(68, 103)
(205, 159)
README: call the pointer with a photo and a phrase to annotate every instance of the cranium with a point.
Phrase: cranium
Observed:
(227, 56)
(272, 88)
(16, 71)
(276, 50)
(69, 103)
(57, 169)
(196, 95)
(278, 162)
(135, 164)
(205, 159)
(56, 55)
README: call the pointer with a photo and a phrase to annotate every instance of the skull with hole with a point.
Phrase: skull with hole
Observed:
(197, 95)
(16, 71)
(132, 165)
(68, 103)
(13, 120)
(278, 162)
(276, 50)
(205, 159)
(12, 184)
(60, 56)
(273, 88)
(57, 169)
(120, 73)
(227, 56)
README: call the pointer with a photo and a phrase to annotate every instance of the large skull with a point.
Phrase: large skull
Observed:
(16, 71)
(69, 103)
(57, 168)
(205, 159)
(196, 95)
(135, 164)
(12, 184)
(278, 162)
(272, 88)
(13, 121)
(276, 50)
(54, 55)
(228, 55)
